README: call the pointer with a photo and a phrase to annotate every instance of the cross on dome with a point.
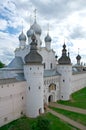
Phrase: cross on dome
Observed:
(35, 12)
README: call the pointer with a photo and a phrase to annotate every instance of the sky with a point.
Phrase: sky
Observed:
(66, 19)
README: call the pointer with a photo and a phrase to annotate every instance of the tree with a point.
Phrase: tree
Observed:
(42, 123)
(1, 65)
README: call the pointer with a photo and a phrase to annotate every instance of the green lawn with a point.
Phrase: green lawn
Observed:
(78, 99)
(81, 118)
(25, 123)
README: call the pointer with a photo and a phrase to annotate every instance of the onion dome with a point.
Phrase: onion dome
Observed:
(30, 32)
(33, 57)
(64, 58)
(36, 28)
(47, 38)
(22, 37)
(78, 57)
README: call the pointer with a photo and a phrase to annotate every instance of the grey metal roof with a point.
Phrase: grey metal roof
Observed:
(16, 63)
(47, 38)
(20, 77)
(8, 81)
(49, 73)
(78, 57)
(33, 57)
(36, 28)
(22, 37)
(64, 58)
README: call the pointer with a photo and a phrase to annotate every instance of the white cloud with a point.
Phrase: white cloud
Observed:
(67, 21)
(3, 24)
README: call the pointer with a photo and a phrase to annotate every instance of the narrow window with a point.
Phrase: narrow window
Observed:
(39, 87)
(63, 80)
(5, 119)
(29, 88)
(44, 65)
(22, 98)
(51, 65)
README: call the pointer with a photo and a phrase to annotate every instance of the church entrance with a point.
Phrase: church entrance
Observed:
(50, 98)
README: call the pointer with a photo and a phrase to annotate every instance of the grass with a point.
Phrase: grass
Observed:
(81, 118)
(78, 99)
(25, 123)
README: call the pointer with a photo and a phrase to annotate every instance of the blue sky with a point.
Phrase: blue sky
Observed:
(67, 20)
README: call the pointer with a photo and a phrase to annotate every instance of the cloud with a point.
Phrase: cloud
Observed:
(67, 19)
(78, 32)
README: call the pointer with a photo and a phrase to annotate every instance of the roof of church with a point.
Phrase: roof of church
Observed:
(22, 37)
(64, 58)
(47, 38)
(33, 56)
(78, 57)
(16, 63)
(8, 81)
(49, 73)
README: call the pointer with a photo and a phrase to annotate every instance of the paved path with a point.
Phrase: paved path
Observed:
(66, 119)
(73, 109)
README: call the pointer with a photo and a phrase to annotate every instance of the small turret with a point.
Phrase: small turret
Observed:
(64, 58)
(78, 58)
(22, 40)
(48, 40)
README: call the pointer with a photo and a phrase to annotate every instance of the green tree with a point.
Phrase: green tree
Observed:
(1, 65)
(42, 123)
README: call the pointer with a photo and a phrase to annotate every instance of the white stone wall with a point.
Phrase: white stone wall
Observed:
(34, 89)
(78, 82)
(47, 55)
(65, 81)
(55, 93)
(48, 58)
(12, 101)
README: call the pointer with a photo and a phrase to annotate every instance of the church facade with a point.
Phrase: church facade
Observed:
(35, 77)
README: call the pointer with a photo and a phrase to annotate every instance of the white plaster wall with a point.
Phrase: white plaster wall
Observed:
(65, 81)
(11, 102)
(47, 82)
(78, 81)
(48, 58)
(48, 45)
(34, 95)
(47, 55)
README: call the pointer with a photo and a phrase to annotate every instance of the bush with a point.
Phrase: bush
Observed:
(42, 123)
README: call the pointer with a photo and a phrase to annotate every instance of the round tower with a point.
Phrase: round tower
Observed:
(33, 70)
(22, 40)
(65, 69)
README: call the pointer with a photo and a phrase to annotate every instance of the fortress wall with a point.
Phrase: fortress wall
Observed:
(78, 81)
(12, 101)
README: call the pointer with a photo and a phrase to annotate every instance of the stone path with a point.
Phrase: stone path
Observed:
(68, 120)
(73, 109)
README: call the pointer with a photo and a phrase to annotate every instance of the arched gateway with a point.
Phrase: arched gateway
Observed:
(50, 98)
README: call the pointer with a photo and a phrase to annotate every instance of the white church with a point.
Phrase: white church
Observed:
(36, 77)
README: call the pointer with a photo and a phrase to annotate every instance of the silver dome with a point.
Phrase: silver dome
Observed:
(36, 28)
(22, 37)
(47, 38)
(30, 32)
